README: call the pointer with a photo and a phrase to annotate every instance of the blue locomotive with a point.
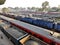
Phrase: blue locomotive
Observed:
(40, 22)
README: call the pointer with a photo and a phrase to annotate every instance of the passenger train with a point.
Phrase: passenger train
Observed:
(35, 31)
(49, 24)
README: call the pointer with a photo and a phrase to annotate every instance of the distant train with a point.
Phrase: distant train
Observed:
(35, 31)
(38, 22)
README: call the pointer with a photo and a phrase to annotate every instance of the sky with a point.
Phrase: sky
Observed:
(29, 3)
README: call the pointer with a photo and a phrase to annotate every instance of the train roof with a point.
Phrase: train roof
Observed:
(14, 33)
(33, 28)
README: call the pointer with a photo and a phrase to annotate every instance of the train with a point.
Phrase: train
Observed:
(35, 31)
(18, 36)
(48, 24)
(51, 25)
(13, 34)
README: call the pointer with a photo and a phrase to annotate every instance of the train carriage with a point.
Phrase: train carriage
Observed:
(34, 30)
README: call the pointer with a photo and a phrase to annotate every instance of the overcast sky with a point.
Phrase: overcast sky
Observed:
(29, 3)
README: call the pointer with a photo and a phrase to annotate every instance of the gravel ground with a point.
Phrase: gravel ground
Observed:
(4, 40)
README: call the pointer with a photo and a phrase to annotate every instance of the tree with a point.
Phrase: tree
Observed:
(40, 9)
(58, 8)
(45, 5)
(33, 8)
(5, 10)
(2, 2)
(28, 8)
(55, 9)
(16, 7)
